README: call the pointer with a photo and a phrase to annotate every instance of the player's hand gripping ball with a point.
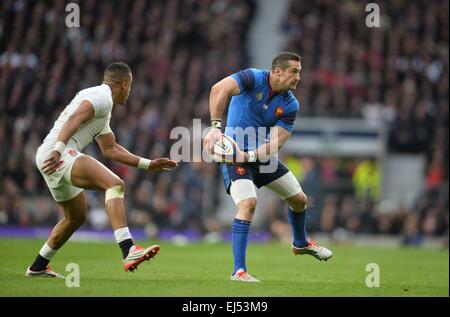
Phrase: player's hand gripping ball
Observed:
(225, 150)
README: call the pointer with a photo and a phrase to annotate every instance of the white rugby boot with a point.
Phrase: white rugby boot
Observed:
(44, 273)
(137, 255)
(314, 249)
(243, 276)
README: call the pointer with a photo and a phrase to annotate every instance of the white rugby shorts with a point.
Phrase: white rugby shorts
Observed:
(59, 182)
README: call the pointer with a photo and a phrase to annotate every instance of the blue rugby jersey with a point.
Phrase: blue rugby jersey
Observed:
(258, 107)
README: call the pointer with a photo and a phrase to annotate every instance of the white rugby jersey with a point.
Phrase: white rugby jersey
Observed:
(101, 99)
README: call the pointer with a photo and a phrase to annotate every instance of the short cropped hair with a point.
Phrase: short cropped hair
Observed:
(117, 72)
(282, 59)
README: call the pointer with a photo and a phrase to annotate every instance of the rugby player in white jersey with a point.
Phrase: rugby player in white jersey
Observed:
(67, 171)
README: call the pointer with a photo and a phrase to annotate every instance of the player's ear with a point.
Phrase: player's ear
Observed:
(277, 71)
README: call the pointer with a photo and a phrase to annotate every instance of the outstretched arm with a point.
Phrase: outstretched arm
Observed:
(114, 151)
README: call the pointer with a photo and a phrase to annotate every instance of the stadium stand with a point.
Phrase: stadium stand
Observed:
(397, 75)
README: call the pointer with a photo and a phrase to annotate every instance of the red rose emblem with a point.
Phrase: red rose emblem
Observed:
(72, 152)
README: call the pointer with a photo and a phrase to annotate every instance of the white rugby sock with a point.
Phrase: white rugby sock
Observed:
(47, 252)
(122, 234)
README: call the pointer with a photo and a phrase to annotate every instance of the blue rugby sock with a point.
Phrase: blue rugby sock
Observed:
(239, 237)
(298, 224)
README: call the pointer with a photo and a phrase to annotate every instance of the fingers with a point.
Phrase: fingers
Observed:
(50, 165)
(164, 164)
(172, 163)
(49, 168)
(209, 144)
(211, 138)
(169, 163)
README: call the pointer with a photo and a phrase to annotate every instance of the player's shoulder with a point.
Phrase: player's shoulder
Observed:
(99, 89)
(261, 75)
(291, 100)
(101, 93)
(258, 74)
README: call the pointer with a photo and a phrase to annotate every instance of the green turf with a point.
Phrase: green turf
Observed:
(203, 270)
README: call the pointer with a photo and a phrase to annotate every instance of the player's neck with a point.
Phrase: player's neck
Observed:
(114, 92)
(274, 87)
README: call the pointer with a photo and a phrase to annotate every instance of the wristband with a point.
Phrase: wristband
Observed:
(144, 163)
(252, 156)
(59, 147)
(216, 123)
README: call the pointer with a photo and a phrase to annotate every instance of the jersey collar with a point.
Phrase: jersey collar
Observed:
(271, 93)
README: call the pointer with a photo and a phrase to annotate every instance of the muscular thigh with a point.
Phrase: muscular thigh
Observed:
(75, 208)
(89, 173)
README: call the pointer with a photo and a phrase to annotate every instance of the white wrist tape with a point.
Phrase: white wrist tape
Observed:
(216, 124)
(59, 147)
(252, 156)
(144, 163)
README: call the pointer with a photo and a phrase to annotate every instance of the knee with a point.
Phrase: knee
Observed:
(298, 202)
(248, 205)
(117, 182)
(116, 190)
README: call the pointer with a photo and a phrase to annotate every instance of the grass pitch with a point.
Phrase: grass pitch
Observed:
(203, 269)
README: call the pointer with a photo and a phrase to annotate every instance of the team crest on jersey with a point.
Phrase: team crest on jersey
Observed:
(240, 170)
(259, 96)
(279, 111)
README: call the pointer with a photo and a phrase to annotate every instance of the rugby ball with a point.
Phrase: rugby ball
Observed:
(225, 150)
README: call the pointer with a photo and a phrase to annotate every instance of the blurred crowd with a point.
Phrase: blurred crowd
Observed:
(344, 196)
(396, 74)
(177, 51)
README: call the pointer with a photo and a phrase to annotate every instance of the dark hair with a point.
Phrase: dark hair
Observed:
(117, 72)
(282, 59)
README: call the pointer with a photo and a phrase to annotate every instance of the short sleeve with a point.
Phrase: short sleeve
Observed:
(101, 102)
(248, 79)
(287, 120)
(106, 128)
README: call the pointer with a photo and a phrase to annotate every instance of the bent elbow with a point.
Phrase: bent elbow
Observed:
(109, 154)
(215, 89)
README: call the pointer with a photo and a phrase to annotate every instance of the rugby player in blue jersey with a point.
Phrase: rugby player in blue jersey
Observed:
(261, 100)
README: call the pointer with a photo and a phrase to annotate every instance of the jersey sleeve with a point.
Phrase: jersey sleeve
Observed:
(101, 102)
(248, 79)
(287, 120)
(106, 128)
